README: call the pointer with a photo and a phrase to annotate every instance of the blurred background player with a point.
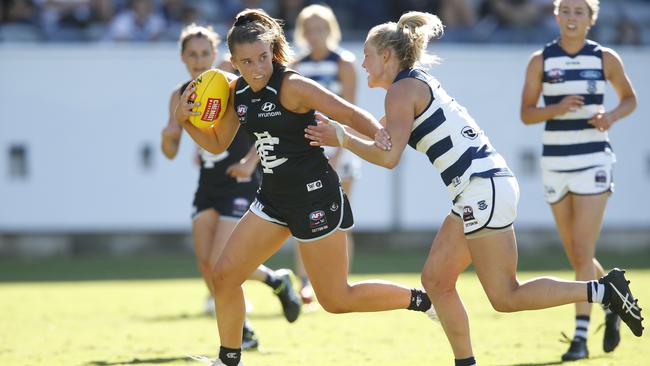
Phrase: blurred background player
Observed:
(571, 73)
(317, 31)
(227, 185)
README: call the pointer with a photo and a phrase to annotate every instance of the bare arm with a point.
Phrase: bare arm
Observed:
(530, 112)
(615, 73)
(300, 95)
(348, 77)
(171, 134)
(215, 138)
(400, 114)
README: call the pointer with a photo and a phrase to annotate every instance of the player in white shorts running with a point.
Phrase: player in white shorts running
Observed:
(571, 73)
(483, 190)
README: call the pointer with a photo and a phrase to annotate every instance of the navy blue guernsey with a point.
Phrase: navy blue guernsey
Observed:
(324, 71)
(570, 143)
(213, 166)
(288, 162)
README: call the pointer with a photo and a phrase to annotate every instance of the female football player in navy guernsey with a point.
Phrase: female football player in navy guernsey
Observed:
(318, 31)
(577, 159)
(227, 184)
(483, 191)
(300, 193)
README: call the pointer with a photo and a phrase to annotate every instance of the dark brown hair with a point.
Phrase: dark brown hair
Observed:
(253, 25)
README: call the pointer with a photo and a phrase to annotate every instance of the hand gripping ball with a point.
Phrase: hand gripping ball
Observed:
(212, 90)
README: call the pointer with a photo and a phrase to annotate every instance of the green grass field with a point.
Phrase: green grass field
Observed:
(147, 311)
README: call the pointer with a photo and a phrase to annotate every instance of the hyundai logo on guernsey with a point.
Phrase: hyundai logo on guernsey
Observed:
(268, 110)
(268, 106)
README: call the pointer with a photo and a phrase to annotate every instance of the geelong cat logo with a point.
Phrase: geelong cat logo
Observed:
(469, 133)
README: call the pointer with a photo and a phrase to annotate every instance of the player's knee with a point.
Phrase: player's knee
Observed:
(436, 284)
(581, 259)
(222, 279)
(503, 305)
(503, 299)
(333, 305)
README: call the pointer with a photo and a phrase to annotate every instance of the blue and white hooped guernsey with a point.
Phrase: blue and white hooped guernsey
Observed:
(570, 143)
(451, 139)
(325, 71)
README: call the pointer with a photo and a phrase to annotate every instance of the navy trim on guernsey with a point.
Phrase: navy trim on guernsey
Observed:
(573, 75)
(433, 122)
(588, 99)
(568, 125)
(581, 74)
(451, 139)
(324, 71)
(575, 149)
(553, 49)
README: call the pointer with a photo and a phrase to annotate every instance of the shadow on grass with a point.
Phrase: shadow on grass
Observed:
(555, 362)
(367, 260)
(175, 317)
(143, 361)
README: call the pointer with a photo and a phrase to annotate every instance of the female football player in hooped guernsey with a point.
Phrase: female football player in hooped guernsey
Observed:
(577, 159)
(483, 191)
(227, 184)
(300, 193)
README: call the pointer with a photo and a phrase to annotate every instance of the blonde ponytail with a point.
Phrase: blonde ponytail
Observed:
(408, 38)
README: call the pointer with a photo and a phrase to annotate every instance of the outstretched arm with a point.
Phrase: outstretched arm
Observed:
(400, 113)
(300, 95)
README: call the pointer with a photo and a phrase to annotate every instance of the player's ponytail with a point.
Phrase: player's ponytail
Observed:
(253, 25)
(408, 38)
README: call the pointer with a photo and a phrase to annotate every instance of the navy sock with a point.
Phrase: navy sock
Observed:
(230, 356)
(272, 280)
(582, 325)
(419, 301)
(469, 361)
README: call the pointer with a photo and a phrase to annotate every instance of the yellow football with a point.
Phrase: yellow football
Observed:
(212, 90)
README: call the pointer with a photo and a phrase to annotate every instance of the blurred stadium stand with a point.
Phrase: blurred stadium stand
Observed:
(62, 185)
(475, 21)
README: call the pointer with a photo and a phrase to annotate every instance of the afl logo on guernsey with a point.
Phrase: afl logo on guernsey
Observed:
(241, 113)
(555, 76)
